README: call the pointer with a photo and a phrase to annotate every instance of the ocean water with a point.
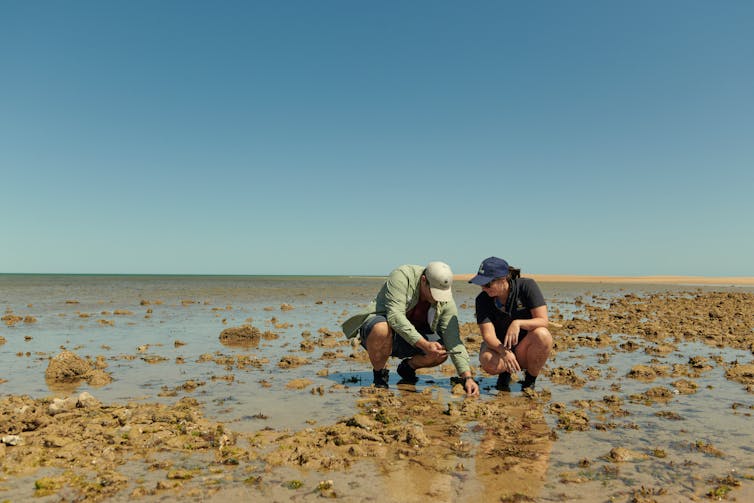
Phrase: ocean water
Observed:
(77, 312)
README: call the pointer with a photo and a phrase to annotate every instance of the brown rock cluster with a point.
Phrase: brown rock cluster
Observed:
(245, 335)
(721, 319)
(89, 441)
(11, 319)
(67, 368)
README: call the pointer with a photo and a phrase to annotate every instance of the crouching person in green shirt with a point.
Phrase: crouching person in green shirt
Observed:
(414, 318)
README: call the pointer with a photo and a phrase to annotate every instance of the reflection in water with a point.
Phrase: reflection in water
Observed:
(512, 457)
(429, 444)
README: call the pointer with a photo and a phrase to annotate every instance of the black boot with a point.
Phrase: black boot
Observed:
(503, 381)
(408, 374)
(529, 381)
(381, 378)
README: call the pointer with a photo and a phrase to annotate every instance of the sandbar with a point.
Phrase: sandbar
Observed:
(665, 279)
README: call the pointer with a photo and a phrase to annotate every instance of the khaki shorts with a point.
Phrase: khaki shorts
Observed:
(401, 347)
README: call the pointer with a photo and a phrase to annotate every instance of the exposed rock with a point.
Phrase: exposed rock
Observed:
(621, 454)
(648, 373)
(566, 376)
(59, 405)
(94, 440)
(288, 362)
(86, 400)
(67, 367)
(12, 440)
(12, 319)
(245, 335)
(299, 383)
(685, 387)
(98, 377)
(741, 373)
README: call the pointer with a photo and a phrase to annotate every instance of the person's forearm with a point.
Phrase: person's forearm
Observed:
(422, 344)
(531, 324)
(494, 344)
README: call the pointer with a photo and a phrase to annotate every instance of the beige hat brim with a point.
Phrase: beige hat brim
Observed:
(441, 295)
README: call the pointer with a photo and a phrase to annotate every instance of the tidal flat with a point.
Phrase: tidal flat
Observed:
(646, 397)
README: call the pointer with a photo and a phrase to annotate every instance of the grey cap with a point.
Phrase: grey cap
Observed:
(440, 278)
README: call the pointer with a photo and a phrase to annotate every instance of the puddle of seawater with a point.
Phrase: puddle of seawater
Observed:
(708, 416)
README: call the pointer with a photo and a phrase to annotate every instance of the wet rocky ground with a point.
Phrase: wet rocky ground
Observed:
(618, 396)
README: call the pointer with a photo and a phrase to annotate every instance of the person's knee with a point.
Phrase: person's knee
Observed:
(543, 337)
(489, 367)
(380, 331)
(485, 361)
(379, 337)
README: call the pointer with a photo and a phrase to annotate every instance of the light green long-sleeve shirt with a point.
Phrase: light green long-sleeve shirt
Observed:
(398, 296)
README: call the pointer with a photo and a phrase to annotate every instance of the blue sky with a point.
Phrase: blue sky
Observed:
(348, 137)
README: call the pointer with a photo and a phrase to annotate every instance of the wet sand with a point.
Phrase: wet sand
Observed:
(243, 389)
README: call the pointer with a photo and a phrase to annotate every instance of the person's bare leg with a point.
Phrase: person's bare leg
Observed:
(533, 351)
(424, 361)
(490, 361)
(380, 345)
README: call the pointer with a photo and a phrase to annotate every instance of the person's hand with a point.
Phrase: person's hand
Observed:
(511, 335)
(510, 363)
(471, 387)
(431, 348)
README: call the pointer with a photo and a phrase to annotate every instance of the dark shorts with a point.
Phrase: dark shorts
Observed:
(521, 335)
(401, 348)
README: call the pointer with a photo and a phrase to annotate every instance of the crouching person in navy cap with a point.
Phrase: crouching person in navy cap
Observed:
(415, 318)
(512, 316)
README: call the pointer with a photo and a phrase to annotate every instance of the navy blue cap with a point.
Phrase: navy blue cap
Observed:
(491, 268)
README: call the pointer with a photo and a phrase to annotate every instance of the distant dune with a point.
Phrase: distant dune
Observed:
(669, 280)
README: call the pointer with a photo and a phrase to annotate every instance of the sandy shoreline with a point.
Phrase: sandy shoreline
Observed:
(668, 280)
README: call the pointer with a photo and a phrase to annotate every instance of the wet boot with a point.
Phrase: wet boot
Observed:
(529, 381)
(381, 378)
(503, 381)
(408, 374)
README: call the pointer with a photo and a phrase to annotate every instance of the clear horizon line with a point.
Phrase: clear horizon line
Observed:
(457, 275)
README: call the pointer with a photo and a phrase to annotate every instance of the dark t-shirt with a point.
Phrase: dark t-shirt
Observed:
(418, 317)
(524, 296)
